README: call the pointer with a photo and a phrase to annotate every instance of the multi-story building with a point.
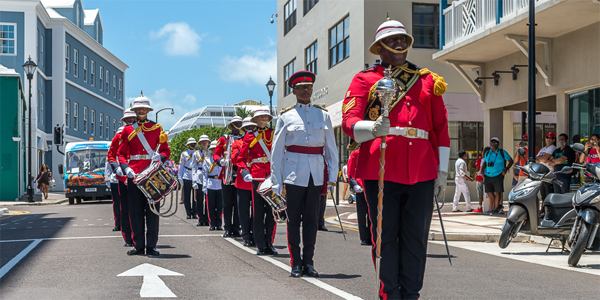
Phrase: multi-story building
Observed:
(78, 84)
(212, 116)
(331, 39)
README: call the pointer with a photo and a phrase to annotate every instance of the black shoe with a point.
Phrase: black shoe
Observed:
(205, 224)
(271, 250)
(219, 228)
(323, 228)
(262, 251)
(364, 242)
(188, 217)
(212, 228)
(252, 243)
(194, 216)
(128, 244)
(135, 251)
(297, 271)
(236, 233)
(199, 224)
(309, 270)
(246, 243)
(227, 233)
(152, 251)
(116, 228)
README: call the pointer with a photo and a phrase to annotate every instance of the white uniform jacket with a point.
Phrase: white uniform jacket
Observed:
(308, 126)
(210, 180)
(186, 165)
(199, 157)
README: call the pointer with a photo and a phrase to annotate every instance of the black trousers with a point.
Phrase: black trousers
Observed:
(140, 215)
(244, 198)
(214, 202)
(303, 205)
(116, 203)
(230, 209)
(188, 202)
(362, 213)
(405, 227)
(201, 209)
(125, 221)
(322, 207)
(263, 220)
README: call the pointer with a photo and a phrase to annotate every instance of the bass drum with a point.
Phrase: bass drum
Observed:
(277, 202)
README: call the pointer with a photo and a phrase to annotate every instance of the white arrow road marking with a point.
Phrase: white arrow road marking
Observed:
(9, 265)
(152, 286)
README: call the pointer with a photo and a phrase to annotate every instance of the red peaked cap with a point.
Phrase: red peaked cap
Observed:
(301, 77)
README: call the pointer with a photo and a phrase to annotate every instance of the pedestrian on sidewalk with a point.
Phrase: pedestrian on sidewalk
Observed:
(562, 157)
(43, 180)
(479, 179)
(460, 179)
(495, 166)
(543, 157)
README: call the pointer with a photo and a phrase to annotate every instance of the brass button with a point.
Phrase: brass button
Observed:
(409, 123)
(410, 143)
(407, 103)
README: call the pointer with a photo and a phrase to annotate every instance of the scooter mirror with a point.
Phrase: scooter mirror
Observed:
(522, 152)
(566, 170)
(579, 147)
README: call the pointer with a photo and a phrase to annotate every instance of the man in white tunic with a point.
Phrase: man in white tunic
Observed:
(461, 182)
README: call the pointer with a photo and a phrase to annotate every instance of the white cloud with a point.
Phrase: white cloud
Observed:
(250, 68)
(179, 39)
(163, 98)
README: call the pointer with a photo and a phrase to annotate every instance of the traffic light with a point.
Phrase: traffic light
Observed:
(58, 135)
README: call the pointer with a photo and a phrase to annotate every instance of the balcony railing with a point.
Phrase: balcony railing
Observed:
(466, 18)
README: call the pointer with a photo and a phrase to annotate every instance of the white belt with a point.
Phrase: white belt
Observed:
(263, 159)
(140, 157)
(409, 132)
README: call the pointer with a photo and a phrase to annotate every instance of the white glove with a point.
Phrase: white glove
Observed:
(195, 186)
(223, 162)
(180, 181)
(130, 173)
(277, 188)
(204, 190)
(108, 184)
(439, 185)
(155, 156)
(119, 172)
(381, 126)
(248, 178)
(358, 189)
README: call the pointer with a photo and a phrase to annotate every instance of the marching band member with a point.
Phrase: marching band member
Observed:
(362, 211)
(304, 150)
(417, 135)
(244, 188)
(200, 155)
(139, 142)
(119, 189)
(211, 186)
(230, 210)
(186, 164)
(254, 160)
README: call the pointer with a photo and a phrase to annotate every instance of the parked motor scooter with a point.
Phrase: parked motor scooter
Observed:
(584, 233)
(524, 206)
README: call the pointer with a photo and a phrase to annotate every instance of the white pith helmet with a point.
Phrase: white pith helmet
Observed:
(261, 112)
(141, 102)
(387, 29)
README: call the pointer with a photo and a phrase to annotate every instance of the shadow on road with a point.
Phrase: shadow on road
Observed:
(338, 276)
(170, 256)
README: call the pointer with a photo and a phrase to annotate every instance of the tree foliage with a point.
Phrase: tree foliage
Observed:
(178, 143)
(243, 112)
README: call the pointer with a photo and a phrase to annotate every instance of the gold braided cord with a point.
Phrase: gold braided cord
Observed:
(263, 136)
(135, 132)
(386, 47)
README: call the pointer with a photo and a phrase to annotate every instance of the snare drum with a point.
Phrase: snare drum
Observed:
(156, 182)
(277, 202)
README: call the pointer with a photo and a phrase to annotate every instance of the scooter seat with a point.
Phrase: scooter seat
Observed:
(559, 200)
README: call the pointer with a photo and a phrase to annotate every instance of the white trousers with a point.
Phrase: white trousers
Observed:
(461, 188)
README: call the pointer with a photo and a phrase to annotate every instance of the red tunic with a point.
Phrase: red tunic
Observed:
(131, 145)
(113, 152)
(408, 160)
(250, 152)
(235, 155)
(220, 152)
(352, 168)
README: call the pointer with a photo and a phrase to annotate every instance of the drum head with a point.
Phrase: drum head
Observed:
(265, 185)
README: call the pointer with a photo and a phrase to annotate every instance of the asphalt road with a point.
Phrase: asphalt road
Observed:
(69, 252)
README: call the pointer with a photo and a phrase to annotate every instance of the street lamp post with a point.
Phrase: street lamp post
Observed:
(172, 112)
(271, 87)
(29, 68)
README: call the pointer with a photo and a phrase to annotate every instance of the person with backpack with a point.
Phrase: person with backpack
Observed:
(495, 166)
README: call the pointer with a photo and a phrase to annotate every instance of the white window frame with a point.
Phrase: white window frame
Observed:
(311, 57)
(92, 72)
(107, 81)
(14, 39)
(85, 119)
(41, 53)
(85, 68)
(67, 107)
(75, 62)
(114, 126)
(288, 70)
(107, 125)
(120, 89)
(67, 57)
(101, 77)
(341, 42)
(75, 116)
(41, 105)
(115, 86)
(92, 122)
(101, 123)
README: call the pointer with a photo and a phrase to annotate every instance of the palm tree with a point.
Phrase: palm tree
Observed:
(243, 112)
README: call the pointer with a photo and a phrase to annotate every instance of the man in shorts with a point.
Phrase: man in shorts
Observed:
(495, 166)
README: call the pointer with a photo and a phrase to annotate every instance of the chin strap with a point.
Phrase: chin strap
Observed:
(386, 47)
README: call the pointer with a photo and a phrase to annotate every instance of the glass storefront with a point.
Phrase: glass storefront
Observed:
(584, 117)
(466, 136)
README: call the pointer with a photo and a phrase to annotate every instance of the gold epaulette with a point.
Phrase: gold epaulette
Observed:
(286, 109)
(163, 136)
(321, 107)
(439, 86)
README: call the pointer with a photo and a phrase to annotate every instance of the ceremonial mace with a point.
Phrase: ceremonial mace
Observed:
(386, 88)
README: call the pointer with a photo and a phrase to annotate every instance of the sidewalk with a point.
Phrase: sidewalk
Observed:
(53, 198)
(461, 226)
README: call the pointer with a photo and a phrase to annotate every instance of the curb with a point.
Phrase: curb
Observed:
(474, 237)
(3, 210)
(45, 203)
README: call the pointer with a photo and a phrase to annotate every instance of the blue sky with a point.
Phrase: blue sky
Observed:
(187, 54)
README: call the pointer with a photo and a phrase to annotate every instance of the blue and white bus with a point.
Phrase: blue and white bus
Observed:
(83, 171)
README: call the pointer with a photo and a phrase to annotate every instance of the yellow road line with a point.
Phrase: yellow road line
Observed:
(14, 213)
